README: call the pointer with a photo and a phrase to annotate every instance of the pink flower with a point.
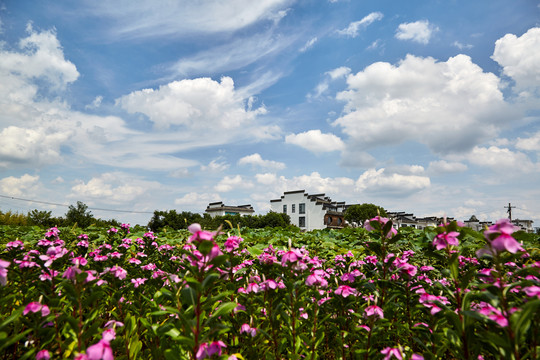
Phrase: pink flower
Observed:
(532, 291)
(198, 233)
(291, 256)
(500, 238)
(317, 279)
(100, 351)
(382, 221)
(245, 328)
(374, 311)
(43, 355)
(233, 242)
(207, 350)
(79, 261)
(138, 281)
(345, 291)
(34, 307)
(444, 240)
(3, 271)
(389, 352)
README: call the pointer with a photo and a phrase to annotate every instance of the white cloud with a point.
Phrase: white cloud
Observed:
(354, 27)
(229, 183)
(529, 144)
(25, 185)
(115, 187)
(257, 160)
(41, 57)
(309, 44)
(30, 146)
(95, 103)
(314, 182)
(444, 167)
(195, 104)
(315, 141)
(519, 57)
(233, 55)
(180, 19)
(378, 181)
(501, 159)
(418, 31)
(215, 166)
(461, 46)
(266, 179)
(339, 72)
(449, 106)
(195, 200)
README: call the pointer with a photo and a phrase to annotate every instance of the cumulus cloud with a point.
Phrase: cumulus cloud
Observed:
(266, 179)
(196, 104)
(354, 27)
(42, 57)
(519, 58)
(314, 182)
(449, 106)
(529, 144)
(418, 31)
(229, 183)
(18, 186)
(115, 187)
(257, 160)
(315, 141)
(500, 159)
(29, 146)
(379, 181)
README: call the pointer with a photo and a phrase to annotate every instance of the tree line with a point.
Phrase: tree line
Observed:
(79, 215)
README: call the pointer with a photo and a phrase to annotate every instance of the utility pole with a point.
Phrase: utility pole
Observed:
(509, 211)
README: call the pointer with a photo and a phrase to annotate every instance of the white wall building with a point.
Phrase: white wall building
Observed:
(310, 212)
(220, 209)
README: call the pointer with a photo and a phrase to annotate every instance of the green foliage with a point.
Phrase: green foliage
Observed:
(11, 218)
(79, 215)
(360, 213)
(176, 221)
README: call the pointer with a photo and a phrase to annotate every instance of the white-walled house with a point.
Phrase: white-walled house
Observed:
(310, 212)
(220, 209)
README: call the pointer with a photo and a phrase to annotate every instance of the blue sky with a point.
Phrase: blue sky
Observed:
(430, 107)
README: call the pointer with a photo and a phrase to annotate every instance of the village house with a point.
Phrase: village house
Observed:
(220, 209)
(402, 219)
(310, 212)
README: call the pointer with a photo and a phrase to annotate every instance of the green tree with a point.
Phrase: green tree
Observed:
(79, 215)
(42, 218)
(360, 213)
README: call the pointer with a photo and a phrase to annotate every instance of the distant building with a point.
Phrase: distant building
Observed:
(310, 212)
(220, 209)
(525, 225)
(402, 219)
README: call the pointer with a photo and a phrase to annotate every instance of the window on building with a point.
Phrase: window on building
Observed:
(339, 221)
(284, 209)
(328, 220)
(293, 206)
(302, 221)
(301, 208)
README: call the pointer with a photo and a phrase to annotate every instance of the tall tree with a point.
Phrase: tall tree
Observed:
(360, 213)
(79, 215)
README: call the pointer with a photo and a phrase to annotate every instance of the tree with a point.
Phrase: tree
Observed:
(42, 218)
(79, 215)
(360, 213)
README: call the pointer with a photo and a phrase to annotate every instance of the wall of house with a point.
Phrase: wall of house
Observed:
(314, 214)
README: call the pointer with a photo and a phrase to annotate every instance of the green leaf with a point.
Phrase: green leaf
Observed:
(224, 309)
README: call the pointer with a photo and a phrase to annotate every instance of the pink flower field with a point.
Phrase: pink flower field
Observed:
(365, 293)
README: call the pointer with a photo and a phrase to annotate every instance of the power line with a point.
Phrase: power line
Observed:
(90, 208)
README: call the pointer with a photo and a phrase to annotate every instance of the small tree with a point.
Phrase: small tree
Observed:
(79, 215)
(42, 218)
(360, 213)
